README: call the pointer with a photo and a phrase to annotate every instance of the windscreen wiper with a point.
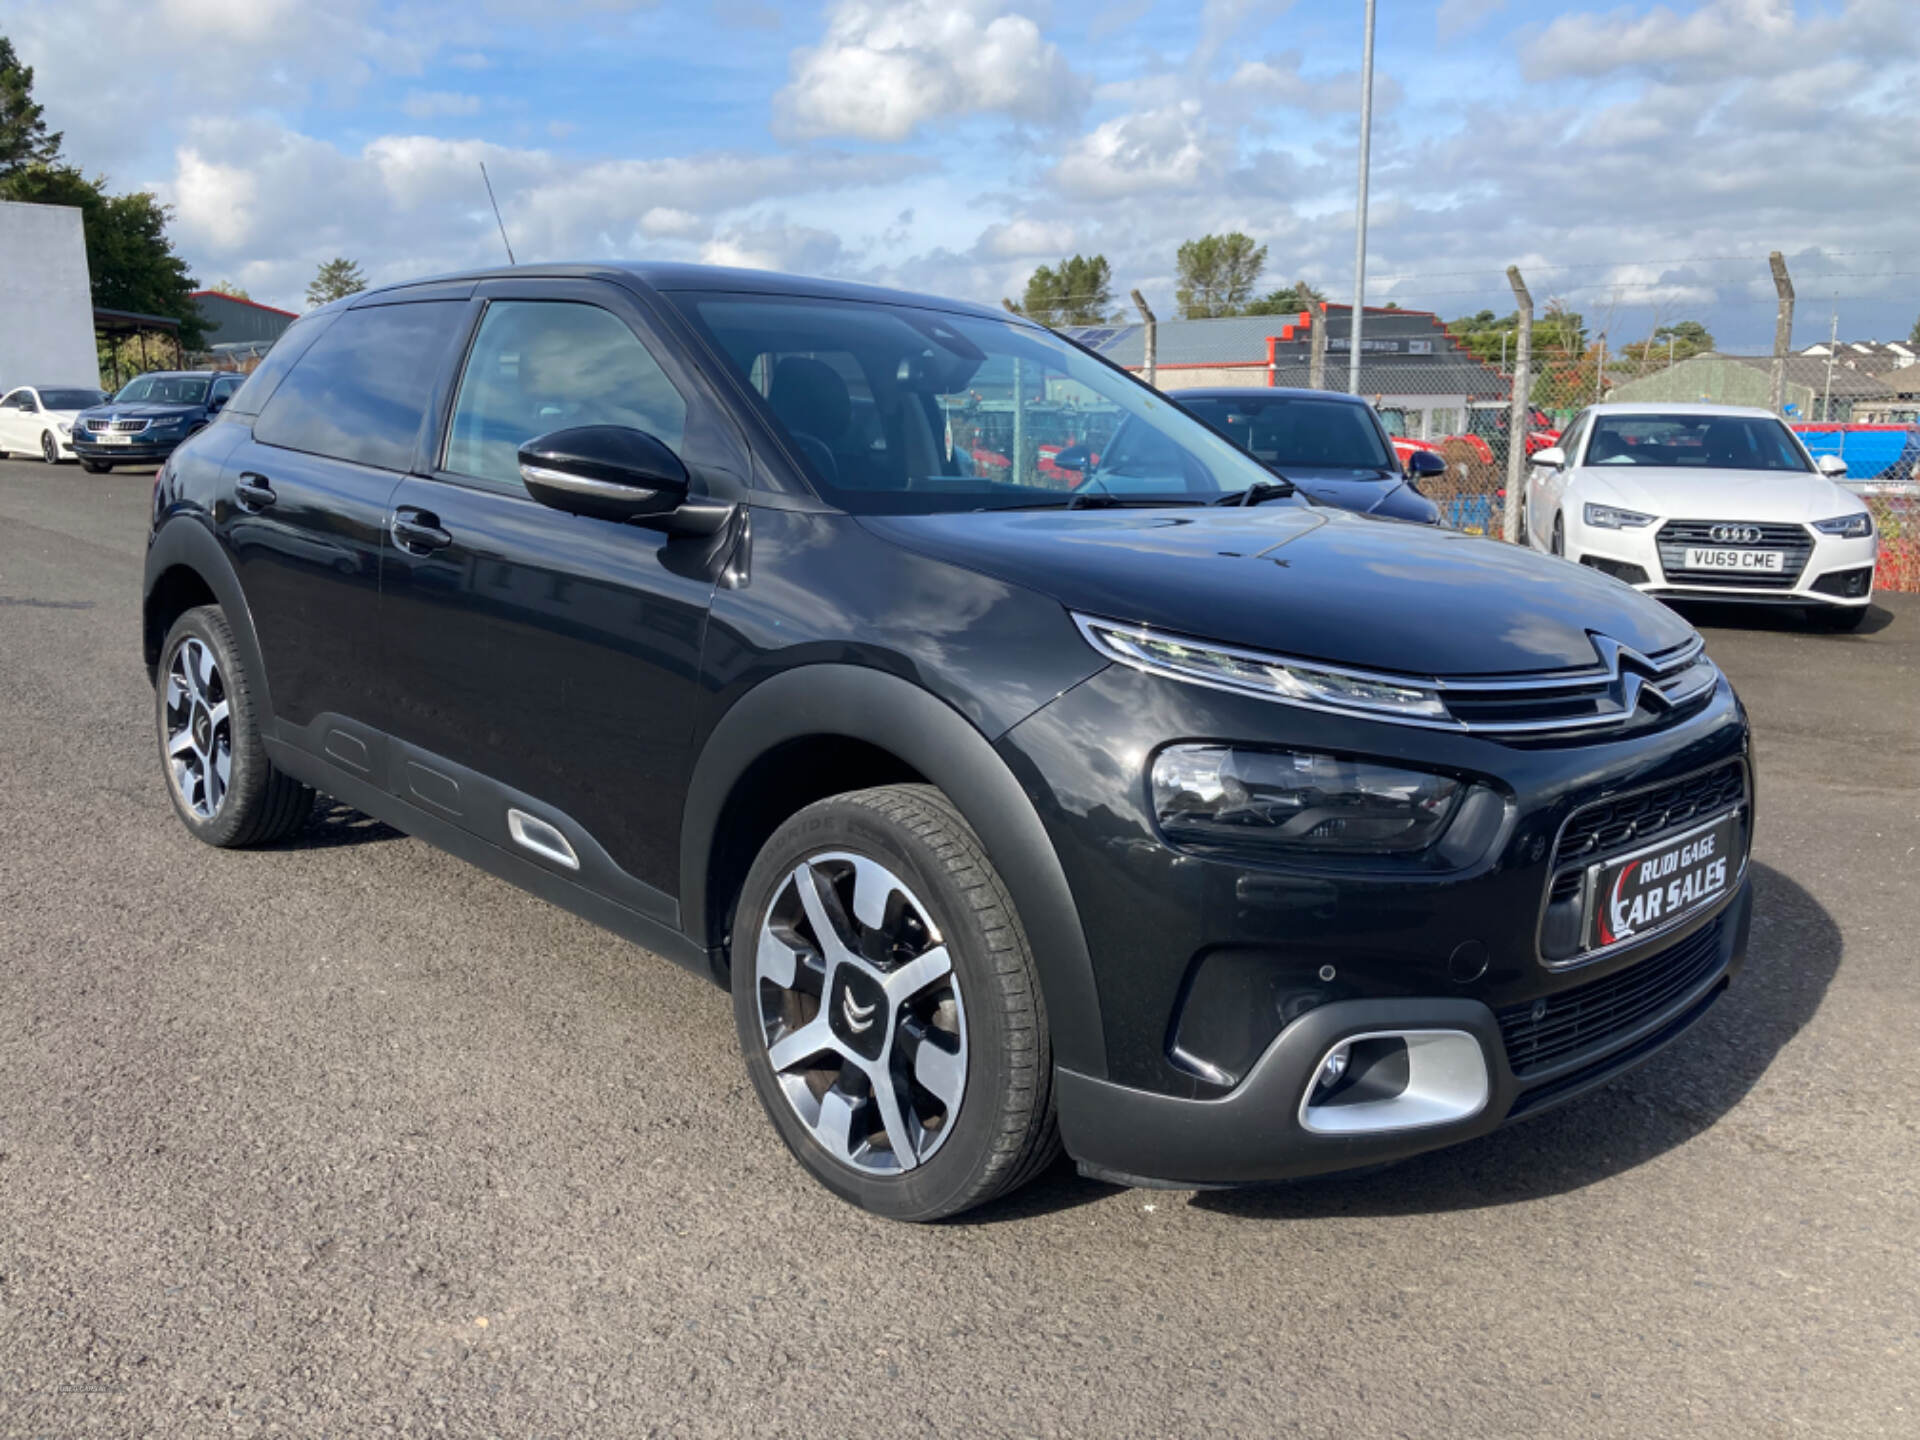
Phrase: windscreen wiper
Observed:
(1258, 493)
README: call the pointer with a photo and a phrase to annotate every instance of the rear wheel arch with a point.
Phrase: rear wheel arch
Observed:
(882, 729)
(186, 567)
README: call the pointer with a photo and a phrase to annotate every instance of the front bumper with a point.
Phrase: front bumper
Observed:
(141, 451)
(1835, 571)
(1218, 977)
(1256, 1132)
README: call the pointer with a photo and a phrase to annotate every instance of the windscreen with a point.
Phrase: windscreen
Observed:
(1706, 442)
(164, 390)
(70, 399)
(900, 410)
(1282, 431)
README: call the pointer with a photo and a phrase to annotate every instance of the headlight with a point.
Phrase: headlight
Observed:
(1856, 526)
(1293, 800)
(1611, 517)
(1274, 677)
(63, 427)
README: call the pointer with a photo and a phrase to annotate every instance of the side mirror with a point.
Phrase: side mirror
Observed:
(1074, 457)
(1425, 464)
(607, 471)
(1831, 466)
(1553, 457)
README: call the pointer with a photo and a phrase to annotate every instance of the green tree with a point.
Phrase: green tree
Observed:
(1486, 336)
(1217, 274)
(1076, 292)
(338, 277)
(1913, 335)
(227, 287)
(24, 137)
(1289, 301)
(132, 263)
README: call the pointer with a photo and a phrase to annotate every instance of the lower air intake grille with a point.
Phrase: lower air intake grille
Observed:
(1588, 1016)
(1638, 819)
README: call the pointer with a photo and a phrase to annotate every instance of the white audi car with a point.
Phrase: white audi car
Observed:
(38, 420)
(1704, 502)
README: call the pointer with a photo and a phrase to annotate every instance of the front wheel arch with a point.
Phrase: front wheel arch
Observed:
(932, 741)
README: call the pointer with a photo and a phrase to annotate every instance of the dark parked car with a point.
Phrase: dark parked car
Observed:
(150, 416)
(1221, 842)
(1330, 445)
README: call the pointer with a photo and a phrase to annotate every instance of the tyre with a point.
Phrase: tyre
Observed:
(224, 788)
(888, 1006)
(49, 448)
(1838, 617)
(1558, 546)
(95, 467)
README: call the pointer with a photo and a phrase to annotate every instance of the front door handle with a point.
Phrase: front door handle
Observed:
(253, 492)
(418, 532)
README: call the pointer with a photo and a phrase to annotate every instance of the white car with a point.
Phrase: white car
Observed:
(36, 420)
(1704, 502)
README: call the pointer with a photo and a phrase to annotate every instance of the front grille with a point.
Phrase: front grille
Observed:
(124, 427)
(1676, 536)
(1542, 1034)
(1637, 819)
(1588, 699)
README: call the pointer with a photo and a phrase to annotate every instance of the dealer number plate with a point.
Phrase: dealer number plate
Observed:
(1654, 887)
(1705, 558)
(107, 437)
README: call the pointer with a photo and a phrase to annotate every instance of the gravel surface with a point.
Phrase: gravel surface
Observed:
(346, 1138)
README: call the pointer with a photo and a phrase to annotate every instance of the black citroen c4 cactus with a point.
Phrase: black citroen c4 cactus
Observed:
(1105, 795)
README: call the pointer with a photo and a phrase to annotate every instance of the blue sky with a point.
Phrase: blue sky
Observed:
(1639, 160)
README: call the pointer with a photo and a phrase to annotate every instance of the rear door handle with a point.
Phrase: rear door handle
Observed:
(253, 492)
(418, 532)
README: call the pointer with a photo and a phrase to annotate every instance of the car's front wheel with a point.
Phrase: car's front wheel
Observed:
(49, 448)
(224, 788)
(1558, 545)
(888, 1006)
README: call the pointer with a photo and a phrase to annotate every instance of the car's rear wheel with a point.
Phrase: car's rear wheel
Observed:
(224, 788)
(888, 1006)
(49, 448)
(95, 467)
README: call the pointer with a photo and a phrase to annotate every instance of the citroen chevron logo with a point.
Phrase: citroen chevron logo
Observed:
(859, 1018)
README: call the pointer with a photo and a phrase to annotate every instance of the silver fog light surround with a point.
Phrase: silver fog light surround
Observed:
(1396, 1080)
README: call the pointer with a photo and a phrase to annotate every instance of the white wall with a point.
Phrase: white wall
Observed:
(46, 302)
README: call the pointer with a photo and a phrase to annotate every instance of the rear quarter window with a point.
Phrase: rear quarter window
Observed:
(361, 389)
(267, 375)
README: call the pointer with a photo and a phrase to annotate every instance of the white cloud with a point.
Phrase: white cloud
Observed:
(775, 246)
(887, 67)
(1023, 238)
(426, 104)
(1149, 150)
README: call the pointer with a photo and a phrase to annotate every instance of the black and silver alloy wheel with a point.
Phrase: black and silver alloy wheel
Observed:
(49, 448)
(889, 1008)
(861, 1013)
(223, 785)
(199, 728)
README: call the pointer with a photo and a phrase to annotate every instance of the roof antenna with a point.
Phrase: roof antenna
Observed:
(496, 215)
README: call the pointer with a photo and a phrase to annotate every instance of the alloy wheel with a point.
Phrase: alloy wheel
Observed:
(199, 728)
(49, 448)
(860, 1011)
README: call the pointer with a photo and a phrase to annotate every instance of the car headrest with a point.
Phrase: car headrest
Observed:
(810, 398)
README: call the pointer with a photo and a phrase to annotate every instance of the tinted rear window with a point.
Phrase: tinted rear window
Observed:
(359, 391)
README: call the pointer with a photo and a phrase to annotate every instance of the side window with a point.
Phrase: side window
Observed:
(360, 391)
(258, 388)
(12, 400)
(543, 365)
(224, 387)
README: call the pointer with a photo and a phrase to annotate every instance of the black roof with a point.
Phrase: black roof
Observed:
(669, 275)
